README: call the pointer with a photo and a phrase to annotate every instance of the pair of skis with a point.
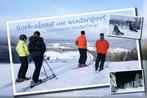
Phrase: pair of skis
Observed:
(22, 80)
(82, 66)
(43, 80)
(79, 67)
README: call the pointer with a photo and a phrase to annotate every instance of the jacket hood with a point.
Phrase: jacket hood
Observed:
(35, 38)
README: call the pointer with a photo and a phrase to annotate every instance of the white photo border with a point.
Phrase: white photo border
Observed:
(128, 71)
(110, 35)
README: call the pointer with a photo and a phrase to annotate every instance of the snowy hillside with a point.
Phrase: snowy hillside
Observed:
(64, 65)
(90, 46)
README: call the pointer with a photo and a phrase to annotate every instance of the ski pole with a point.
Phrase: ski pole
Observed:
(50, 69)
(107, 63)
(45, 71)
(90, 57)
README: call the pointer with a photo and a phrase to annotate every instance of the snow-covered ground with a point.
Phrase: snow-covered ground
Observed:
(6, 90)
(5, 80)
(6, 86)
(127, 90)
(64, 64)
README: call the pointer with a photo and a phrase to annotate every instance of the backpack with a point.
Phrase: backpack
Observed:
(36, 48)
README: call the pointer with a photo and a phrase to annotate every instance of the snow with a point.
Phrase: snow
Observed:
(5, 80)
(67, 77)
(62, 55)
(57, 45)
(91, 48)
(63, 64)
(7, 91)
(126, 90)
(118, 50)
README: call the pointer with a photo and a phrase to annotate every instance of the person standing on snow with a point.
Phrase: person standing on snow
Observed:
(82, 47)
(102, 46)
(37, 49)
(23, 52)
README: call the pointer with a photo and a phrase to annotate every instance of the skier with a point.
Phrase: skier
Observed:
(82, 47)
(37, 48)
(132, 26)
(116, 31)
(102, 46)
(23, 52)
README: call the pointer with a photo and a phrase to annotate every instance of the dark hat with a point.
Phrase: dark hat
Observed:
(101, 34)
(37, 33)
(82, 32)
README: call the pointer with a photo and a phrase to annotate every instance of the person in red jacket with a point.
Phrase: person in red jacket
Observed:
(82, 47)
(102, 46)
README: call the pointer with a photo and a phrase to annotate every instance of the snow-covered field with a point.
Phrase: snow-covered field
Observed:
(64, 64)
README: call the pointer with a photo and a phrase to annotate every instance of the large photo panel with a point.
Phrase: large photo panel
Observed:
(60, 53)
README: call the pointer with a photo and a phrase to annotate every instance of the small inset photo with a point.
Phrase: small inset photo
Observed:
(126, 81)
(125, 26)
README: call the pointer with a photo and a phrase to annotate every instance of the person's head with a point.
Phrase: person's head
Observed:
(37, 33)
(23, 37)
(82, 32)
(101, 36)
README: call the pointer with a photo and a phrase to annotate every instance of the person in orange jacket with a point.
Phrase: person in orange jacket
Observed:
(82, 47)
(102, 46)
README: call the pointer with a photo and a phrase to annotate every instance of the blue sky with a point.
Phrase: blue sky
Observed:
(24, 9)
(18, 9)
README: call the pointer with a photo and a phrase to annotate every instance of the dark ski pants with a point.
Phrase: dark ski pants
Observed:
(38, 63)
(83, 56)
(24, 67)
(100, 60)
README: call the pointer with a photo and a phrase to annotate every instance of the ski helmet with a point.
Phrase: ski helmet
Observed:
(22, 37)
(37, 33)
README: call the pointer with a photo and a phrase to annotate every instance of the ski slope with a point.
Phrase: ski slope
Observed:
(64, 63)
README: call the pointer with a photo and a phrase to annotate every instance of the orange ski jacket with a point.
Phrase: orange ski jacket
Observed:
(102, 46)
(81, 42)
